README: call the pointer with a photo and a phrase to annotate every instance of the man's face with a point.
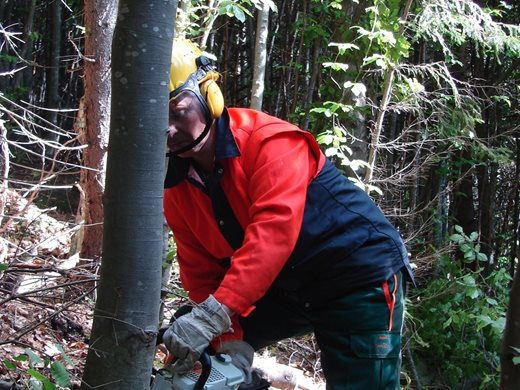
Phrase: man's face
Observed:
(186, 123)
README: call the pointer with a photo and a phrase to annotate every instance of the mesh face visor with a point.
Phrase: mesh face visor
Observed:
(192, 85)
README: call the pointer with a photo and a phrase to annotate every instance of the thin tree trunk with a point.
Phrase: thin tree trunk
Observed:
(52, 85)
(126, 316)
(298, 59)
(510, 372)
(515, 248)
(23, 75)
(385, 100)
(315, 71)
(93, 123)
(257, 93)
(463, 211)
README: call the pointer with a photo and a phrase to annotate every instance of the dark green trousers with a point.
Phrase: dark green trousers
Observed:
(359, 334)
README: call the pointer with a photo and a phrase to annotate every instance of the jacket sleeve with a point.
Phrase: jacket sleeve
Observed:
(202, 274)
(280, 168)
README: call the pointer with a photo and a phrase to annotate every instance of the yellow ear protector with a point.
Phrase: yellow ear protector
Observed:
(209, 88)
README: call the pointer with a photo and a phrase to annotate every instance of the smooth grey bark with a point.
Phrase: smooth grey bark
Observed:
(126, 315)
(262, 24)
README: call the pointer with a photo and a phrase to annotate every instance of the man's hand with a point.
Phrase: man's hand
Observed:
(241, 354)
(191, 333)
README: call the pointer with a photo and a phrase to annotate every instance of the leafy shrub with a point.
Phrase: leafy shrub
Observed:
(38, 373)
(459, 321)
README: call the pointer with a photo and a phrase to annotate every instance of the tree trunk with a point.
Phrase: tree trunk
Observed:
(463, 212)
(257, 93)
(385, 100)
(93, 123)
(487, 174)
(126, 316)
(22, 77)
(52, 85)
(510, 372)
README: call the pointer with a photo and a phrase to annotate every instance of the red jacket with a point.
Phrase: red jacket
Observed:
(265, 179)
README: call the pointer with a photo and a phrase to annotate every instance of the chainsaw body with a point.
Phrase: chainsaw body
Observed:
(215, 373)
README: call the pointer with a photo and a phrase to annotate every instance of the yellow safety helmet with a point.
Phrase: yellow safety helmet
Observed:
(191, 70)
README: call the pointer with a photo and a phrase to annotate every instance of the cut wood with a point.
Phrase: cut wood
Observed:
(283, 377)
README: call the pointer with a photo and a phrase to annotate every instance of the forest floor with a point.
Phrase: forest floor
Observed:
(47, 298)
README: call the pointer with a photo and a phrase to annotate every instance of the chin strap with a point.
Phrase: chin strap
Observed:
(195, 142)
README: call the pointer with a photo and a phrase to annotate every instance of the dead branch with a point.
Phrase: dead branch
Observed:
(13, 338)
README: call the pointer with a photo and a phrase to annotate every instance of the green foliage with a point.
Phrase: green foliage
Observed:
(452, 23)
(171, 252)
(41, 374)
(460, 318)
(516, 359)
(197, 16)
(386, 46)
(335, 143)
(468, 245)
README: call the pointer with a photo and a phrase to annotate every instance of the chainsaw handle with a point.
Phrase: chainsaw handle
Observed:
(204, 360)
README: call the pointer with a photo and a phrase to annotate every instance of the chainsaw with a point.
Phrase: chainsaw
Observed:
(215, 372)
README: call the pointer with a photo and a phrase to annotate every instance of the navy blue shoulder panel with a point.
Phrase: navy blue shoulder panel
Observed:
(345, 242)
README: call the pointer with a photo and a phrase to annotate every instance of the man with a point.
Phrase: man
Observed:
(273, 242)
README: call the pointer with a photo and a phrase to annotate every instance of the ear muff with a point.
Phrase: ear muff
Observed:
(211, 92)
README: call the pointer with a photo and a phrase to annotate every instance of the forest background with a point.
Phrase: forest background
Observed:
(416, 100)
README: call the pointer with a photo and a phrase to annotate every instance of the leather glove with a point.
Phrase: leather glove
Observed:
(191, 333)
(241, 354)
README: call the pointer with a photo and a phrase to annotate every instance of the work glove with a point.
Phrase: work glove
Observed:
(241, 354)
(190, 334)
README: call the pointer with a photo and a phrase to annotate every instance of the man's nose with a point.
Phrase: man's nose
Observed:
(172, 129)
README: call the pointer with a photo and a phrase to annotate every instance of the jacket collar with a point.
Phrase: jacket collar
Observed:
(225, 147)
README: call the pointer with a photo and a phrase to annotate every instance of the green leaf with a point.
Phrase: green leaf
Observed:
(47, 385)
(331, 152)
(60, 374)
(516, 360)
(35, 385)
(457, 238)
(35, 358)
(483, 321)
(469, 280)
(482, 257)
(21, 358)
(36, 375)
(3, 267)
(337, 66)
(343, 47)
(371, 59)
(66, 357)
(9, 364)
(447, 323)
(359, 89)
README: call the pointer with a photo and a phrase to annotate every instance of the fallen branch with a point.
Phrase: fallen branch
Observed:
(281, 376)
(32, 292)
(16, 336)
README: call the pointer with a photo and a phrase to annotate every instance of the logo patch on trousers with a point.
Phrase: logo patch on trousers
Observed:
(383, 344)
